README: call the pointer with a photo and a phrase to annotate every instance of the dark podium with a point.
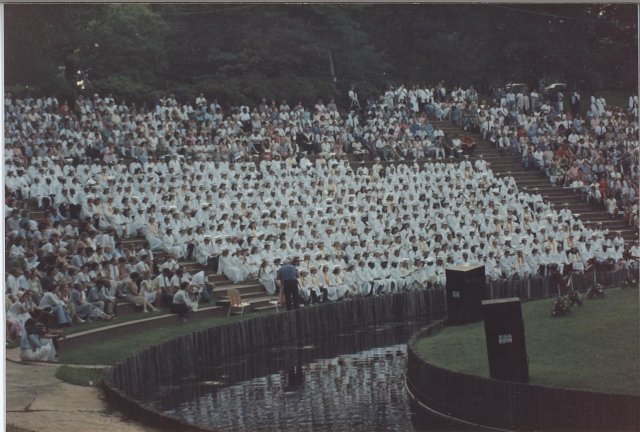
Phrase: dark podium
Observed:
(466, 288)
(504, 330)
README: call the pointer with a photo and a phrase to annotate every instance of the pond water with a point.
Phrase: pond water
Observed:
(340, 382)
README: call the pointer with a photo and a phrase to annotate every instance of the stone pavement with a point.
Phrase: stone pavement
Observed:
(38, 401)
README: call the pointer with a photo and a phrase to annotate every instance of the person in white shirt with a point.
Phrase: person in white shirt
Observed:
(182, 303)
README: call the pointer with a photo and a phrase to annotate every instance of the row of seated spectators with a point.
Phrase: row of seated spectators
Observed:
(597, 155)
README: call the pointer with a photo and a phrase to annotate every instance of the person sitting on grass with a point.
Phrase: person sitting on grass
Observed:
(43, 325)
(33, 348)
(182, 303)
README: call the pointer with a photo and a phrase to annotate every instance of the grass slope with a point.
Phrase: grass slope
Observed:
(80, 376)
(92, 325)
(595, 348)
(112, 351)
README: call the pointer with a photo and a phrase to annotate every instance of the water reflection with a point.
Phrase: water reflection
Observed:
(349, 381)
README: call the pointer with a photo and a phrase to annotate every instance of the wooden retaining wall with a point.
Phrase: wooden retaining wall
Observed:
(513, 406)
(129, 380)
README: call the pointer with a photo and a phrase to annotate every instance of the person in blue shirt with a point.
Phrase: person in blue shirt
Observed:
(429, 109)
(428, 128)
(288, 275)
(456, 116)
(32, 347)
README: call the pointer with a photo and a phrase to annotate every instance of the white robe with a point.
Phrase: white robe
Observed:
(232, 269)
(266, 277)
(340, 287)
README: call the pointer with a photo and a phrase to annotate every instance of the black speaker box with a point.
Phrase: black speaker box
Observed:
(466, 288)
(504, 331)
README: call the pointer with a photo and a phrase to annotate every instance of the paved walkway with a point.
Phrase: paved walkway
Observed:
(38, 401)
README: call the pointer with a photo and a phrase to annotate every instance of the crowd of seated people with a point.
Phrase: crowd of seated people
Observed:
(237, 191)
(597, 155)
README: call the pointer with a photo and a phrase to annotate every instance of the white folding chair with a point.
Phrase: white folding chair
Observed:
(235, 301)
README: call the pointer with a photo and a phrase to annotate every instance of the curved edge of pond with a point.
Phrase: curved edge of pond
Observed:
(487, 403)
(126, 381)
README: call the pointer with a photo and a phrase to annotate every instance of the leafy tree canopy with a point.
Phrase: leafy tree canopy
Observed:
(242, 53)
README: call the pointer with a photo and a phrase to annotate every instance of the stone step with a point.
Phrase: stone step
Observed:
(267, 308)
(137, 242)
(243, 289)
(246, 297)
(254, 301)
(264, 302)
(557, 196)
(216, 278)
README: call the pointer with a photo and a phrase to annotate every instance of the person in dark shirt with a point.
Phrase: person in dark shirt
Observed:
(48, 280)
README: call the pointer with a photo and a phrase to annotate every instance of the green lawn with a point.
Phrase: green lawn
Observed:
(596, 347)
(112, 351)
(80, 376)
(92, 325)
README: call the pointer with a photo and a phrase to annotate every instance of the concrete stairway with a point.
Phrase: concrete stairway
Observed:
(558, 196)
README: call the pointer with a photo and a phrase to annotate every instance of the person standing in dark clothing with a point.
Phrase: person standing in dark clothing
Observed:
(288, 274)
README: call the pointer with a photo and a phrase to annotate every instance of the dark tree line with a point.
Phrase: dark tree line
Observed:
(241, 53)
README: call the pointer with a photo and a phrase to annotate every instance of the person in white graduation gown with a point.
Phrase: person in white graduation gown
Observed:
(169, 244)
(364, 279)
(381, 285)
(152, 234)
(350, 279)
(325, 282)
(429, 271)
(316, 285)
(335, 278)
(400, 273)
(204, 250)
(267, 277)
(417, 277)
(231, 267)
(522, 267)
(304, 290)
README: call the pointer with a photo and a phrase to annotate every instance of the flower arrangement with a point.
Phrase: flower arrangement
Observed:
(595, 291)
(561, 306)
(575, 298)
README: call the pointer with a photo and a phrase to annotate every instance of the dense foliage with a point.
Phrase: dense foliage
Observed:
(241, 53)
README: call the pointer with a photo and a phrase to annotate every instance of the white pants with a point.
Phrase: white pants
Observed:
(41, 354)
